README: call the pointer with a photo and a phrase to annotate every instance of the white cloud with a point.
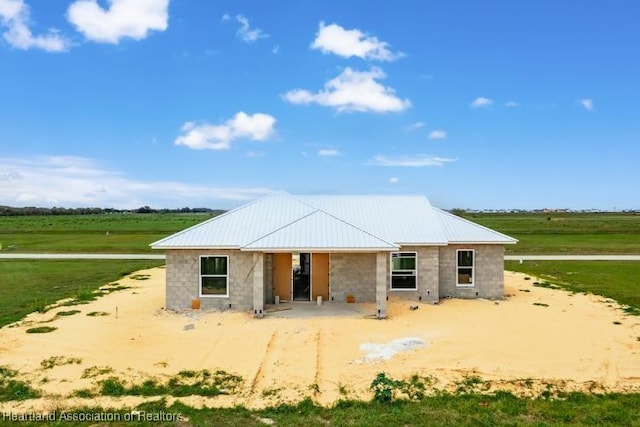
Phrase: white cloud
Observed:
(123, 18)
(587, 104)
(511, 104)
(353, 91)
(418, 160)
(414, 126)
(82, 182)
(246, 33)
(14, 17)
(437, 134)
(328, 152)
(255, 154)
(481, 102)
(226, 17)
(347, 43)
(257, 127)
(276, 49)
(394, 180)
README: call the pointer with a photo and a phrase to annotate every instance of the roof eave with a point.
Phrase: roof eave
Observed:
(195, 247)
(462, 242)
(314, 250)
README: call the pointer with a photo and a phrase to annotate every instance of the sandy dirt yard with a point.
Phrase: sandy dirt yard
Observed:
(534, 337)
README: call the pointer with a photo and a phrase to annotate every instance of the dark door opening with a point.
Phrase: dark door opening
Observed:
(301, 277)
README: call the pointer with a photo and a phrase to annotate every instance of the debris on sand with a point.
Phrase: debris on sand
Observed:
(387, 351)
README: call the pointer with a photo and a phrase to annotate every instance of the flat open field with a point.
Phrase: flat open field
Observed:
(566, 233)
(574, 233)
(105, 233)
(459, 336)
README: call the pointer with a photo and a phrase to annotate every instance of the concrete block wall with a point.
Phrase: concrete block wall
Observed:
(428, 275)
(268, 278)
(352, 273)
(381, 284)
(488, 271)
(183, 280)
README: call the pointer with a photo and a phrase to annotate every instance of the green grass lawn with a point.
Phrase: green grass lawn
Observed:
(445, 410)
(29, 285)
(106, 233)
(613, 279)
(566, 233)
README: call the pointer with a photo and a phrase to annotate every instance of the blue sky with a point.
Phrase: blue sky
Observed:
(494, 104)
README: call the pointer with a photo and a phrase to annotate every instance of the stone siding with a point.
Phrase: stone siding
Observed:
(488, 272)
(352, 273)
(183, 280)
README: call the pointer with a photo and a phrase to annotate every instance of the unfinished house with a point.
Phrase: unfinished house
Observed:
(337, 247)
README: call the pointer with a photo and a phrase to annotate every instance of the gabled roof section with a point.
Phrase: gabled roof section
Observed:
(280, 221)
(403, 220)
(319, 231)
(460, 230)
(240, 226)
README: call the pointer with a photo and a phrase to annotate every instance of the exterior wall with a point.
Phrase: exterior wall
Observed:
(428, 275)
(183, 280)
(352, 273)
(268, 278)
(488, 272)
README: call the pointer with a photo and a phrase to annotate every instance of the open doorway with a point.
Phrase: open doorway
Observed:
(301, 264)
(301, 276)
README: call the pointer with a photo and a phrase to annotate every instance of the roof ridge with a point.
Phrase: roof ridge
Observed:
(356, 227)
(284, 226)
(474, 224)
(347, 222)
(318, 210)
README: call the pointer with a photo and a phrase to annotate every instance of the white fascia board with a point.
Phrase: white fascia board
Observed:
(195, 247)
(318, 250)
(453, 242)
(422, 244)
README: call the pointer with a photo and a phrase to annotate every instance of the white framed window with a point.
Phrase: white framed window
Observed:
(404, 275)
(214, 275)
(465, 267)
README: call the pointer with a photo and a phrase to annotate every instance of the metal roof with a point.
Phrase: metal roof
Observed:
(460, 230)
(280, 221)
(400, 219)
(240, 226)
(320, 230)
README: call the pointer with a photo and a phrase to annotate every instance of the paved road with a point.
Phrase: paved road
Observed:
(572, 257)
(82, 256)
(161, 257)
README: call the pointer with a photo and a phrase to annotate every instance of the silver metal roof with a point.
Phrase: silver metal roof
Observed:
(460, 230)
(320, 230)
(399, 219)
(280, 221)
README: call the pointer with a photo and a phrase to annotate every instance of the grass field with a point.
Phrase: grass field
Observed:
(613, 279)
(446, 410)
(107, 233)
(566, 233)
(575, 233)
(28, 286)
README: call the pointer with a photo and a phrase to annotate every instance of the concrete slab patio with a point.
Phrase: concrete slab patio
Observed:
(293, 310)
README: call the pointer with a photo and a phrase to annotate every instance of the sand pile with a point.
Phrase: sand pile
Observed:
(534, 336)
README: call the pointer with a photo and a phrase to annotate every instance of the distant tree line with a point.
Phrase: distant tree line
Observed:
(35, 211)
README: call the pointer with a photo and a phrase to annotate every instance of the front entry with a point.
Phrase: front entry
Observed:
(301, 276)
